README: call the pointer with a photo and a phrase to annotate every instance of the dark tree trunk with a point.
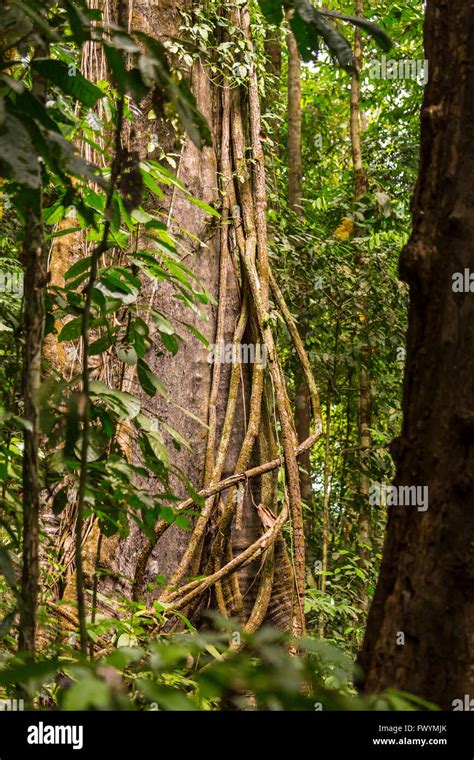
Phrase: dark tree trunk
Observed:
(295, 168)
(426, 585)
(33, 326)
(295, 202)
(303, 430)
(361, 186)
(35, 280)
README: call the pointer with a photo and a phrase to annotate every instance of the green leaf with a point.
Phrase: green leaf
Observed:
(204, 206)
(62, 233)
(78, 268)
(102, 344)
(170, 343)
(199, 500)
(6, 567)
(18, 156)
(88, 693)
(127, 354)
(80, 25)
(197, 334)
(124, 405)
(71, 331)
(26, 103)
(7, 623)
(163, 324)
(126, 640)
(177, 437)
(155, 441)
(60, 501)
(182, 521)
(151, 183)
(141, 216)
(167, 514)
(149, 381)
(74, 84)
(272, 10)
(28, 671)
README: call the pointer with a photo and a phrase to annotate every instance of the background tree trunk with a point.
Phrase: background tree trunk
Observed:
(35, 281)
(295, 161)
(426, 585)
(365, 390)
(295, 202)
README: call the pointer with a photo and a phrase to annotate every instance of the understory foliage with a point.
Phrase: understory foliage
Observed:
(68, 178)
(347, 294)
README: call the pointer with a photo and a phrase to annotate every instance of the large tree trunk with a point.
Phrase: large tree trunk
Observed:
(264, 589)
(426, 585)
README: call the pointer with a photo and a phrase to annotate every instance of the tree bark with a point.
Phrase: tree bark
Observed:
(35, 281)
(426, 585)
(33, 325)
(273, 52)
(365, 390)
(295, 202)
(230, 398)
(295, 166)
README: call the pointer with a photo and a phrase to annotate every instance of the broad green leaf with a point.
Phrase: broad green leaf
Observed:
(272, 10)
(78, 268)
(155, 441)
(151, 183)
(6, 567)
(163, 324)
(87, 693)
(80, 24)
(18, 156)
(127, 354)
(204, 206)
(69, 81)
(38, 671)
(102, 344)
(149, 381)
(124, 405)
(197, 334)
(72, 330)
(177, 437)
(14, 24)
